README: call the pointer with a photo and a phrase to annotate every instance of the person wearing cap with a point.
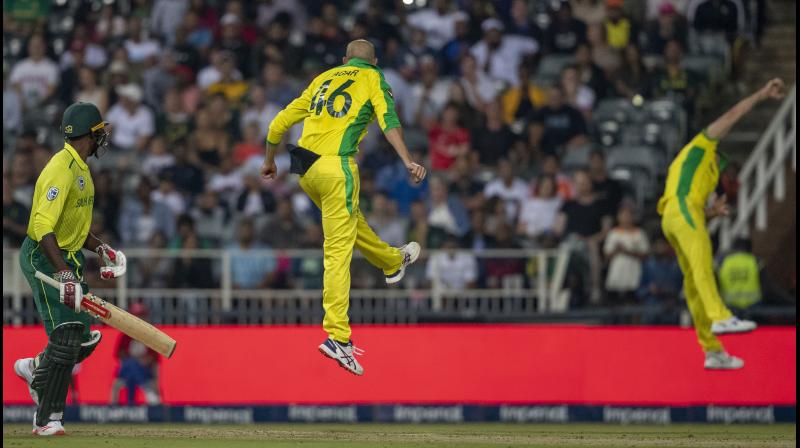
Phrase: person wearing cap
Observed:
(499, 55)
(134, 123)
(438, 22)
(58, 229)
(691, 180)
(619, 29)
(669, 25)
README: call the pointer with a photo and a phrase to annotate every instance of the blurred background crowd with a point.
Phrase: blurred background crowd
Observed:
(506, 102)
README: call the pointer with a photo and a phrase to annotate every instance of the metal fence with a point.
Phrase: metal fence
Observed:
(200, 286)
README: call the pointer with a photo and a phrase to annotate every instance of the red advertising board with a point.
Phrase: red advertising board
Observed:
(468, 364)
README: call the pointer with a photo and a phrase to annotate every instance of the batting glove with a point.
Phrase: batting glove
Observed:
(115, 262)
(70, 291)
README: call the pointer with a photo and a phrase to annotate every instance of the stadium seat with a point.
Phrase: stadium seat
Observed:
(642, 160)
(550, 68)
(576, 158)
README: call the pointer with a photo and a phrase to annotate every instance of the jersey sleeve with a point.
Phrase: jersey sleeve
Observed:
(704, 142)
(295, 112)
(53, 184)
(383, 102)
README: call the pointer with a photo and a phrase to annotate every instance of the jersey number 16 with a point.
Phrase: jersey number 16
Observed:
(318, 101)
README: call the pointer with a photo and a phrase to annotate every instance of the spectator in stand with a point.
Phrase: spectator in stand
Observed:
(446, 214)
(723, 17)
(418, 44)
(551, 166)
(510, 189)
(138, 366)
(254, 200)
(452, 269)
(173, 122)
(279, 89)
(428, 96)
(169, 195)
(211, 218)
(141, 217)
(565, 32)
(418, 224)
(493, 139)
(12, 108)
(457, 47)
(607, 58)
(538, 214)
(590, 12)
(110, 27)
(520, 21)
(166, 16)
(208, 141)
(231, 39)
(625, 247)
(590, 74)
(251, 146)
(607, 191)
(229, 84)
(520, 101)
(248, 270)
(498, 55)
(478, 88)
(674, 80)
(668, 26)
(504, 272)
(470, 117)
(15, 217)
(186, 171)
(225, 117)
(154, 272)
(620, 30)
(188, 271)
(158, 158)
(90, 91)
(132, 121)
(212, 73)
(36, 77)
(260, 111)
(384, 219)
(557, 125)
(158, 79)
(583, 226)
(576, 93)
(447, 140)
(464, 185)
(308, 271)
(139, 47)
(186, 55)
(661, 285)
(633, 78)
(285, 228)
(438, 23)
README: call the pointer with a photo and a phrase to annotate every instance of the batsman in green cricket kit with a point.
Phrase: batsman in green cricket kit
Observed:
(57, 232)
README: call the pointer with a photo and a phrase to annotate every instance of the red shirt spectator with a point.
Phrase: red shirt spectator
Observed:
(447, 140)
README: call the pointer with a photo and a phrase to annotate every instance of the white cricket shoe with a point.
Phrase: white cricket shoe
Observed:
(410, 254)
(722, 361)
(52, 428)
(732, 325)
(344, 354)
(24, 369)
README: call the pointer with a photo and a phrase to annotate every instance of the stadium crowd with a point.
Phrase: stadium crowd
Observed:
(190, 87)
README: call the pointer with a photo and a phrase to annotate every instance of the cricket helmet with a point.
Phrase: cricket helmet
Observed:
(80, 119)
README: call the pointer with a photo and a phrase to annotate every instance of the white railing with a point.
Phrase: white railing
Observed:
(765, 169)
(544, 287)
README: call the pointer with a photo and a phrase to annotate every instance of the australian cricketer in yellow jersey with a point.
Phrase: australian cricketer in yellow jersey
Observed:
(58, 230)
(691, 179)
(335, 110)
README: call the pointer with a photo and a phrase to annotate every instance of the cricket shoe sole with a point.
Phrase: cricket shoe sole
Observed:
(410, 253)
(332, 350)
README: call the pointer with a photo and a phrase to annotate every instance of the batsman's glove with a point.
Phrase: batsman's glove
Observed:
(70, 291)
(115, 262)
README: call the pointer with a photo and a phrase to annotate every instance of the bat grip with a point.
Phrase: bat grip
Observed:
(47, 279)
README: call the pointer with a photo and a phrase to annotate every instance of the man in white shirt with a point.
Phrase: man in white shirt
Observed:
(139, 49)
(133, 122)
(428, 97)
(499, 55)
(438, 22)
(36, 77)
(452, 269)
(511, 189)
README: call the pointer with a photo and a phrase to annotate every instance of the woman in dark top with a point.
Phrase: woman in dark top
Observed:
(632, 78)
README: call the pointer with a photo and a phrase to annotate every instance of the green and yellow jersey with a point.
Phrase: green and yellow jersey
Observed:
(337, 107)
(63, 200)
(692, 176)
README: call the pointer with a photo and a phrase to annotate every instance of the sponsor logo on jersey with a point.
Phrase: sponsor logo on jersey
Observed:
(52, 193)
(81, 182)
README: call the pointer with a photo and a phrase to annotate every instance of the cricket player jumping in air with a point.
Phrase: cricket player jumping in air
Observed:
(58, 229)
(692, 178)
(335, 109)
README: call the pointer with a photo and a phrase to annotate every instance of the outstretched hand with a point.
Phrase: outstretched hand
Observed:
(774, 88)
(720, 206)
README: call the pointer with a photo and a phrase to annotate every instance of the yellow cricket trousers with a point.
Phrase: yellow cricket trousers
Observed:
(693, 247)
(332, 183)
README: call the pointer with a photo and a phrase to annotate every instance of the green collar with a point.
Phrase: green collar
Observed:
(358, 62)
(75, 156)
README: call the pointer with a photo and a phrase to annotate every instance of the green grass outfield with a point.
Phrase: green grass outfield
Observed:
(404, 435)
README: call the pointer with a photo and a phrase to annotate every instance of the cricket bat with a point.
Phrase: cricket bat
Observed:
(122, 320)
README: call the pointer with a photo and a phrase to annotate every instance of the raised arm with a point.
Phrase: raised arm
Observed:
(720, 128)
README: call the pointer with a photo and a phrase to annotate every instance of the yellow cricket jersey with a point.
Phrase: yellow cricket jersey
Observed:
(337, 107)
(63, 200)
(692, 176)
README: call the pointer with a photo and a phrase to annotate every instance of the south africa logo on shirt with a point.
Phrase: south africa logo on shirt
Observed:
(52, 193)
(81, 182)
